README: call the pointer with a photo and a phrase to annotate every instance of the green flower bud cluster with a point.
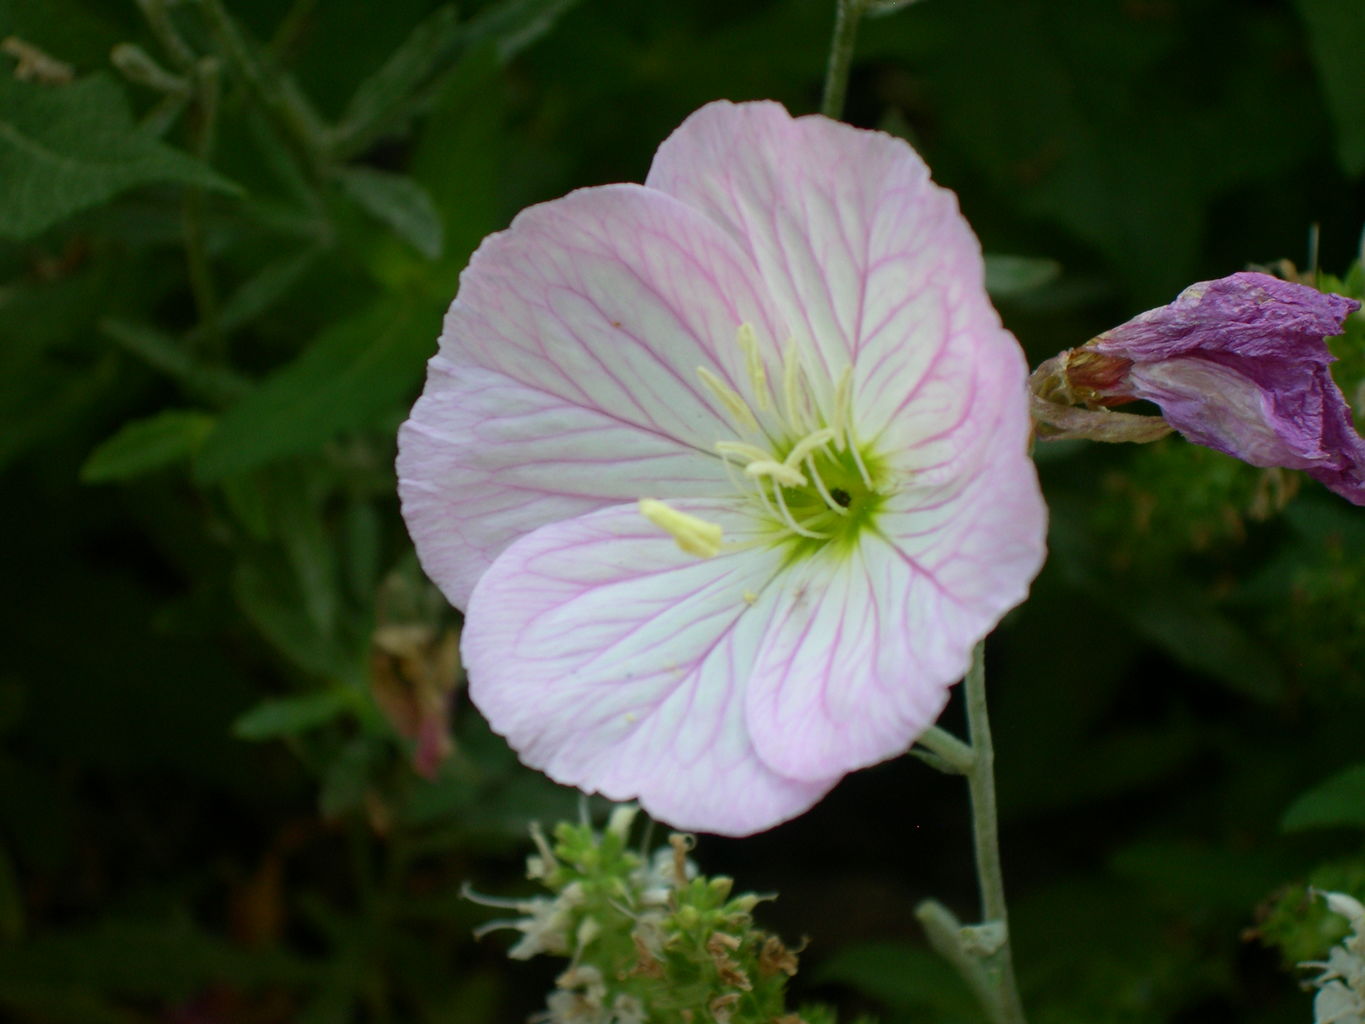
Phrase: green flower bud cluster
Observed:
(648, 939)
(1341, 982)
(1301, 926)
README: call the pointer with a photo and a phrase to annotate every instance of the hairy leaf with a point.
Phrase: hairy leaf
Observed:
(146, 445)
(65, 148)
(398, 202)
(357, 370)
(290, 715)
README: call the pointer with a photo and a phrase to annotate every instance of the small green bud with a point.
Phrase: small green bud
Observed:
(136, 65)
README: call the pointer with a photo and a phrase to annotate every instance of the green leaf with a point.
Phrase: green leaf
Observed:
(146, 445)
(1336, 32)
(1340, 801)
(355, 371)
(376, 98)
(515, 24)
(66, 148)
(288, 716)
(265, 288)
(311, 554)
(170, 356)
(458, 158)
(397, 201)
(1008, 276)
(266, 591)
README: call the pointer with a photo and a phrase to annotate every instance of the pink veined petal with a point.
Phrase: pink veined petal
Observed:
(834, 686)
(611, 298)
(863, 647)
(614, 662)
(582, 324)
(870, 263)
(970, 408)
(484, 459)
(979, 540)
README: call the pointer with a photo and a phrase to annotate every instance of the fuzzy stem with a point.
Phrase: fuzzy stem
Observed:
(986, 833)
(846, 19)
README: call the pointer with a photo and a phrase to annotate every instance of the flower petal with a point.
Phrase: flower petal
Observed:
(611, 298)
(578, 330)
(863, 647)
(614, 662)
(484, 459)
(1240, 365)
(870, 263)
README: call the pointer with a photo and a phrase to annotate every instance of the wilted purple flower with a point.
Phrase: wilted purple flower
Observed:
(1238, 365)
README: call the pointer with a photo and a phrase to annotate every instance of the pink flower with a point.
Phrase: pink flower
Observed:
(728, 471)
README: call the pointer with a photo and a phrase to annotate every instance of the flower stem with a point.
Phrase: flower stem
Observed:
(204, 125)
(846, 19)
(986, 832)
(981, 953)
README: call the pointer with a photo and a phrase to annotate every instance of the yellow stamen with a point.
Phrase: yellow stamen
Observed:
(790, 520)
(753, 360)
(819, 482)
(780, 472)
(728, 397)
(742, 449)
(858, 461)
(808, 444)
(695, 536)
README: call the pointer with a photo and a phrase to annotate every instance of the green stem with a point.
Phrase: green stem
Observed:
(196, 246)
(275, 90)
(986, 833)
(159, 20)
(946, 752)
(846, 19)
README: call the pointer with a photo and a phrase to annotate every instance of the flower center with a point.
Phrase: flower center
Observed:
(797, 455)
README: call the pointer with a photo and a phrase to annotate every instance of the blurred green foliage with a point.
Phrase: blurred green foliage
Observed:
(230, 227)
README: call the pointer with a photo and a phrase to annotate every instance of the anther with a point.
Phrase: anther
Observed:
(695, 536)
(808, 444)
(779, 472)
(742, 449)
(728, 397)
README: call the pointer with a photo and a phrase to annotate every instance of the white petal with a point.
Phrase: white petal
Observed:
(870, 263)
(568, 374)
(840, 682)
(863, 646)
(484, 459)
(611, 298)
(614, 662)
